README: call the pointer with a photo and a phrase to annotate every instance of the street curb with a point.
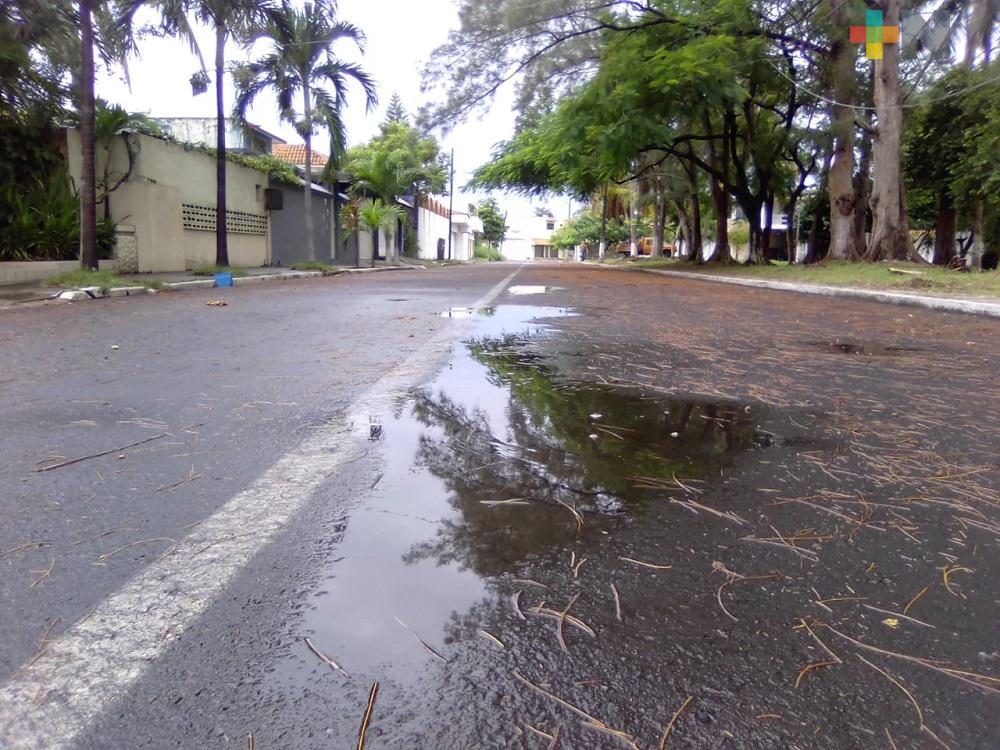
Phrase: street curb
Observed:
(941, 304)
(82, 294)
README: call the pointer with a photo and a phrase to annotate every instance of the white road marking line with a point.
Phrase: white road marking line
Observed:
(48, 703)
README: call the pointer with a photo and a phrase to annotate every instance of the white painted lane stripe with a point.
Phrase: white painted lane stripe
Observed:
(48, 703)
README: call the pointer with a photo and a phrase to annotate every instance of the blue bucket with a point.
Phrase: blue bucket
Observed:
(223, 279)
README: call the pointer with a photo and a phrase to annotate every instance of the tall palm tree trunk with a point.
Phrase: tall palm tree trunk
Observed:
(88, 170)
(307, 136)
(221, 231)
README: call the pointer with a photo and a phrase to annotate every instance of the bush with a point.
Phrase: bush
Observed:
(41, 221)
(487, 253)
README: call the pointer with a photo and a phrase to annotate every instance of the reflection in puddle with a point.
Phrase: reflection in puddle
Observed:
(458, 312)
(521, 289)
(490, 466)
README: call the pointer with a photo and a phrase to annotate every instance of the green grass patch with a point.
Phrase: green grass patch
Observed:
(314, 265)
(917, 277)
(101, 279)
(211, 270)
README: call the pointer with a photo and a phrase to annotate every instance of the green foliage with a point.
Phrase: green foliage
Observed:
(102, 279)
(739, 233)
(396, 112)
(487, 253)
(398, 161)
(585, 229)
(40, 220)
(275, 168)
(314, 265)
(494, 225)
(374, 215)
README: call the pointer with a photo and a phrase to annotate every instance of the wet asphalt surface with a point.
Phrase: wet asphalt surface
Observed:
(616, 493)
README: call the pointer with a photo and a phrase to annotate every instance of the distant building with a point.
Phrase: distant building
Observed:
(295, 154)
(247, 139)
(530, 238)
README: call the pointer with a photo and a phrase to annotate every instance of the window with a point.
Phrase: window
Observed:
(550, 224)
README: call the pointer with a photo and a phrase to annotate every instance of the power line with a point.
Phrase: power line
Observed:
(865, 108)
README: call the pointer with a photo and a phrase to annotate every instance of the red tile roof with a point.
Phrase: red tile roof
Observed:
(295, 154)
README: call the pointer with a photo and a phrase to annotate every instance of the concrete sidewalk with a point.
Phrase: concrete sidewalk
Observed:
(929, 302)
(14, 294)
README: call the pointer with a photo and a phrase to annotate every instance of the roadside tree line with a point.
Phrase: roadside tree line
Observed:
(699, 105)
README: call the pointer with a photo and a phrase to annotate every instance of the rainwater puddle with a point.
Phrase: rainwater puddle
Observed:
(522, 289)
(486, 471)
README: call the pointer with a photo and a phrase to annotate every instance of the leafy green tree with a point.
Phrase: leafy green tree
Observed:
(303, 63)
(396, 162)
(494, 223)
(229, 19)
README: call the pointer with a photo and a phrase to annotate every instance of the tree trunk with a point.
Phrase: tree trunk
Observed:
(861, 190)
(307, 193)
(977, 248)
(221, 226)
(683, 237)
(840, 185)
(633, 229)
(88, 170)
(106, 198)
(603, 246)
(979, 27)
(696, 240)
(765, 235)
(944, 231)
(890, 232)
(791, 231)
(659, 217)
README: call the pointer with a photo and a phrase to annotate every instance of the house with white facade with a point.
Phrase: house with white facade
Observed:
(530, 238)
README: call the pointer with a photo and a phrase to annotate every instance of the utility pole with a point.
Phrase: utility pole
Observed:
(451, 200)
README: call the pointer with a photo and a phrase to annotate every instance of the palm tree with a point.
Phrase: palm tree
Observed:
(228, 18)
(374, 215)
(302, 63)
(88, 169)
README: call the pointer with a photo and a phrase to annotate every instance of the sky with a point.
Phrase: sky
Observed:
(401, 36)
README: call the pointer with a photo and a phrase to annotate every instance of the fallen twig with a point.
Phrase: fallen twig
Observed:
(326, 659)
(901, 686)
(43, 574)
(562, 623)
(673, 720)
(643, 564)
(104, 558)
(368, 715)
(98, 455)
(491, 637)
(588, 720)
(618, 603)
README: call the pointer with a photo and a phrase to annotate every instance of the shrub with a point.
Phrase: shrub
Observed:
(487, 253)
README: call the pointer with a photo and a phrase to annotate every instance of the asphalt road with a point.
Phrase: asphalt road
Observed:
(269, 475)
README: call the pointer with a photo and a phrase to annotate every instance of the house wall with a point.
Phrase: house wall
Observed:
(288, 226)
(365, 246)
(170, 198)
(431, 227)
